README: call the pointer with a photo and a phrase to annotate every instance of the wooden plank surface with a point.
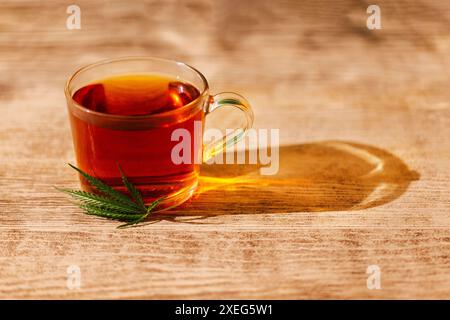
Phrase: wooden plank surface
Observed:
(345, 98)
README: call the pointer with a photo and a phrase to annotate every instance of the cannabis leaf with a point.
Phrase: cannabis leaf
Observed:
(112, 204)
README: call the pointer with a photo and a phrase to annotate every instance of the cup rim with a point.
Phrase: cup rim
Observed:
(139, 117)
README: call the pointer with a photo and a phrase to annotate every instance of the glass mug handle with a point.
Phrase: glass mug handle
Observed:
(222, 100)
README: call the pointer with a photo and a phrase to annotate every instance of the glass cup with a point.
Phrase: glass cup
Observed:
(147, 147)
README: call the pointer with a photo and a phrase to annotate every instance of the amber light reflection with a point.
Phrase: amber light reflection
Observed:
(313, 177)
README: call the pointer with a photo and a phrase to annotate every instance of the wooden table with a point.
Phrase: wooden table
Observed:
(364, 178)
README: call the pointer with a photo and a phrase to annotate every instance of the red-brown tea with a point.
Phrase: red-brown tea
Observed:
(143, 153)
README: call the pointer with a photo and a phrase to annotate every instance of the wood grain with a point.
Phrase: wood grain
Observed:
(342, 96)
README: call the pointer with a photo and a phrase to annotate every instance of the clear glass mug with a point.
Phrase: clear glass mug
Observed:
(144, 146)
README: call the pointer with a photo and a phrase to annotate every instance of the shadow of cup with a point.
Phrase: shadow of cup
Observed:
(323, 176)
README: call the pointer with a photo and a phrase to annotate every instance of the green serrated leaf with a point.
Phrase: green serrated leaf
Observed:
(106, 213)
(105, 188)
(132, 190)
(154, 204)
(100, 201)
(112, 204)
(143, 217)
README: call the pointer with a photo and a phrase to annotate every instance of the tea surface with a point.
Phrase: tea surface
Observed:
(136, 95)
